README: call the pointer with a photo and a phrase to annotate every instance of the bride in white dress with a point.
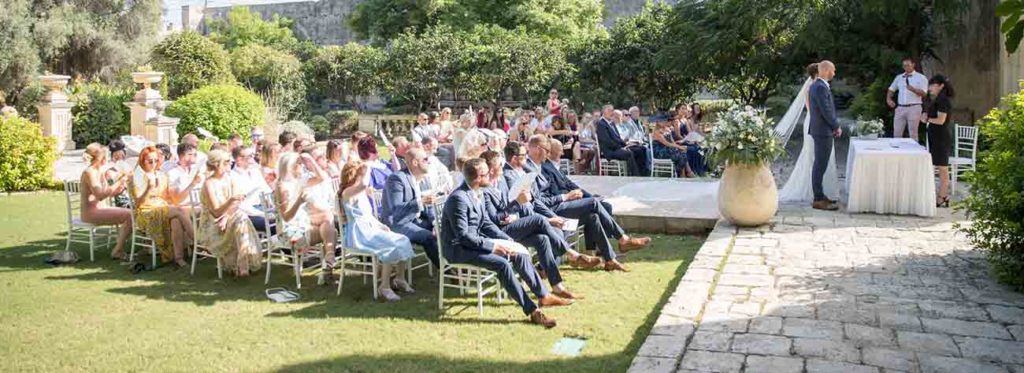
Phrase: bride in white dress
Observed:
(798, 186)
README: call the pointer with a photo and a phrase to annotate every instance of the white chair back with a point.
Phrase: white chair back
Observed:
(966, 142)
(73, 196)
(269, 216)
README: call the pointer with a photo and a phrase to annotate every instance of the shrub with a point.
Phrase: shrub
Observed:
(342, 121)
(271, 72)
(321, 126)
(996, 203)
(871, 103)
(26, 156)
(223, 109)
(190, 61)
(99, 114)
(297, 127)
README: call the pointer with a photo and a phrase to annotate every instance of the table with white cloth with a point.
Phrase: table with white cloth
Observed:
(890, 176)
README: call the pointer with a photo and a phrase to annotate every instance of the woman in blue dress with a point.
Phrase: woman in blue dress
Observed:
(665, 146)
(694, 155)
(365, 234)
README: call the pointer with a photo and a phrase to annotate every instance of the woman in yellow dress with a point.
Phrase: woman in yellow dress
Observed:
(168, 226)
(224, 229)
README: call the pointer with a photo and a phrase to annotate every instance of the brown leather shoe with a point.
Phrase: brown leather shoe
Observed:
(584, 261)
(554, 301)
(614, 265)
(566, 294)
(825, 205)
(633, 244)
(540, 318)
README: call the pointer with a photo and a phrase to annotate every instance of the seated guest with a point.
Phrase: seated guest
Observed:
(95, 193)
(184, 177)
(224, 228)
(557, 182)
(614, 147)
(287, 141)
(169, 226)
(234, 141)
(665, 146)
(565, 137)
(407, 209)
(117, 166)
(638, 133)
(251, 185)
(303, 220)
(424, 128)
(598, 222)
(521, 132)
(438, 179)
(256, 136)
(268, 161)
(587, 140)
(336, 153)
(532, 224)
(192, 139)
(364, 233)
(402, 145)
(379, 170)
(168, 161)
(468, 238)
(694, 155)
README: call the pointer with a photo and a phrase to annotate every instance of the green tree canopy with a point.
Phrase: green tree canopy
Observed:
(495, 60)
(418, 68)
(191, 61)
(85, 38)
(243, 27)
(345, 72)
(272, 73)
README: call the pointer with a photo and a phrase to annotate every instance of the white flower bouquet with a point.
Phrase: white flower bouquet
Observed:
(868, 128)
(742, 135)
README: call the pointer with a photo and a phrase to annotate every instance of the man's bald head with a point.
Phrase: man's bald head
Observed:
(416, 160)
(826, 70)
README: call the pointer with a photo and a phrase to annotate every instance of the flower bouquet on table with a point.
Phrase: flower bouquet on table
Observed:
(868, 128)
(744, 142)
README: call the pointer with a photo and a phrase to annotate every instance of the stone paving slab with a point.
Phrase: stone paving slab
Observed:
(822, 291)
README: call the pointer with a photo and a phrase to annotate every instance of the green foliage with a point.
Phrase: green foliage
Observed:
(1013, 25)
(996, 203)
(871, 102)
(79, 38)
(624, 66)
(493, 60)
(243, 27)
(380, 21)
(27, 99)
(223, 109)
(344, 73)
(321, 126)
(26, 156)
(271, 72)
(742, 136)
(99, 114)
(341, 122)
(191, 61)
(298, 127)
(418, 68)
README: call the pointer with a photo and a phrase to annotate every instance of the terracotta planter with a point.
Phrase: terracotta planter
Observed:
(747, 195)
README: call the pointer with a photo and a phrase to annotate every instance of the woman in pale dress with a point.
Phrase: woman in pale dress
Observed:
(364, 233)
(304, 221)
(96, 192)
(224, 229)
(169, 226)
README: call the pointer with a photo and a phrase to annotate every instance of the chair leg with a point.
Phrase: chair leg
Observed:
(270, 259)
(92, 244)
(480, 298)
(376, 277)
(409, 272)
(440, 288)
(341, 274)
(195, 255)
(297, 267)
(220, 275)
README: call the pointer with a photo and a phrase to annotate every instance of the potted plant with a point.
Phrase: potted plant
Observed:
(744, 142)
(867, 129)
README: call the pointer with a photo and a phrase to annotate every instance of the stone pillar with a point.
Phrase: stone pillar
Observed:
(147, 109)
(55, 111)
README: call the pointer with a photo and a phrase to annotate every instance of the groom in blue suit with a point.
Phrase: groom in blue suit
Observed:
(824, 127)
(406, 210)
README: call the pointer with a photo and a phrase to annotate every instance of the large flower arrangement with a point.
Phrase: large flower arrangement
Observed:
(742, 135)
(868, 127)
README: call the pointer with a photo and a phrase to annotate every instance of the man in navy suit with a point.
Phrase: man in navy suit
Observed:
(559, 183)
(824, 127)
(612, 145)
(467, 237)
(406, 210)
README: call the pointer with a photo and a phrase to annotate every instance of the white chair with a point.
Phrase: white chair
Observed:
(462, 276)
(565, 166)
(198, 250)
(659, 166)
(78, 230)
(965, 154)
(275, 248)
(140, 237)
(608, 167)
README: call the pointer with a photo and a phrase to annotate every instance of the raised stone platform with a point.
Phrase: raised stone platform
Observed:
(658, 205)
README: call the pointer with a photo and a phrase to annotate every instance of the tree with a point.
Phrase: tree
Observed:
(418, 68)
(346, 72)
(379, 21)
(84, 38)
(243, 27)
(1013, 24)
(624, 65)
(271, 73)
(495, 61)
(191, 61)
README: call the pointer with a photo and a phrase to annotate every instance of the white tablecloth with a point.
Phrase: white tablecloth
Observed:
(890, 176)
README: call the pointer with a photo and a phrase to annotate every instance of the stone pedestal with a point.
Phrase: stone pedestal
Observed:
(147, 109)
(55, 111)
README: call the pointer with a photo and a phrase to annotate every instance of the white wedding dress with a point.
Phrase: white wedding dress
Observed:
(798, 186)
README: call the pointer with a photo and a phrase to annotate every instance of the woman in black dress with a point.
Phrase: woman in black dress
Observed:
(940, 133)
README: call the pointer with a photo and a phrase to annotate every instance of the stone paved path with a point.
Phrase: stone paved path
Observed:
(835, 292)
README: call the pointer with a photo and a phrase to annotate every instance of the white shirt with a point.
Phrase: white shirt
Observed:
(425, 131)
(178, 178)
(906, 97)
(437, 176)
(249, 180)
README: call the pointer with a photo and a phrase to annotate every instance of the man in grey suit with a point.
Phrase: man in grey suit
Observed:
(406, 209)
(824, 127)
(467, 236)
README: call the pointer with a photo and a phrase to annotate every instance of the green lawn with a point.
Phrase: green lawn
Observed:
(96, 316)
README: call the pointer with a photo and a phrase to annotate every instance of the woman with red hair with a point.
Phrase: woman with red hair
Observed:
(379, 170)
(168, 225)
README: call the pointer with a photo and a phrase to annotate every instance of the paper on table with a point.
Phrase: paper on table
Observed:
(514, 246)
(571, 225)
(524, 183)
